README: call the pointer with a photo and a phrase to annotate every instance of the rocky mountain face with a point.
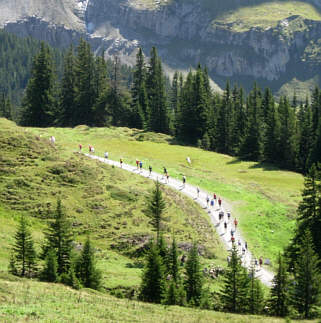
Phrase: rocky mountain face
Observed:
(184, 33)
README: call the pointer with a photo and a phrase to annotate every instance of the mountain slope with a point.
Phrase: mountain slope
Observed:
(102, 200)
(274, 42)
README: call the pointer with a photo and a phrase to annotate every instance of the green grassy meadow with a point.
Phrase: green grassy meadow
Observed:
(105, 201)
(267, 14)
(30, 301)
(263, 198)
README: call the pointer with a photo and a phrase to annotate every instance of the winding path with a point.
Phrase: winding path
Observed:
(213, 212)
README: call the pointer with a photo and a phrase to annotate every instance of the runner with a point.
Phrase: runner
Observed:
(80, 147)
(228, 216)
(225, 225)
(165, 171)
(52, 140)
(207, 200)
(167, 178)
(219, 202)
(232, 240)
(93, 150)
(90, 147)
(232, 233)
(198, 191)
(137, 163)
(261, 261)
(212, 203)
(106, 155)
(214, 196)
(141, 165)
(184, 180)
(235, 223)
(245, 245)
(150, 170)
(121, 162)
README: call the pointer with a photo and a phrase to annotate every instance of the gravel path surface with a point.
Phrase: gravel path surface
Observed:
(262, 273)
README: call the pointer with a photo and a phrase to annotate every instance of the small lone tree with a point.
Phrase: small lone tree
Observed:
(155, 209)
(279, 299)
(23, 260)
(59, 237)
(306, 291)
(87, 272)
(50, 273)
(194, 279)
(152, 286)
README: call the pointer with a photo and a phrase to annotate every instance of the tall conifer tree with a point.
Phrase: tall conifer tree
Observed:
(39, 102)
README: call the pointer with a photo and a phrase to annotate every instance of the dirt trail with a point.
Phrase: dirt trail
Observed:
(263, 274)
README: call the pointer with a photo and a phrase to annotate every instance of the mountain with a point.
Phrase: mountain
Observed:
(276, 43)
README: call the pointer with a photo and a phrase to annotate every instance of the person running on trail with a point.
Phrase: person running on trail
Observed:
(164, 171)
(52, 140)
(80, 147)
(235, 223)
(225, 225)
(219, 202)
(93, 150)
(228, 216)
(141, 165)
(261, 261)
(121, 162)
(245, 245)
(214, 196)
(232, 233)
(184, 180)
(106, 155)
(198, 191)
(232, 240)
(212, 203)
(150, 170)
(167, 178)
(137, 163)
(207, 200)
(89, 148)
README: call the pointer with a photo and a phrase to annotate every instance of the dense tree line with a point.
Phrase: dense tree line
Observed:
(95, 92)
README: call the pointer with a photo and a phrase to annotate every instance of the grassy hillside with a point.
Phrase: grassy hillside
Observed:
(23, 301)
(105, 201)
(267, 14)
(263, 197)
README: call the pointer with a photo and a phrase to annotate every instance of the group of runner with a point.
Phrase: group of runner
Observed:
(210, 202)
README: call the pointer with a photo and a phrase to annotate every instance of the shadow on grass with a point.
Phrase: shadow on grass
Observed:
(263, 165)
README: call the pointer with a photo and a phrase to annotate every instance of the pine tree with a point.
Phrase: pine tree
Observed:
(236, 285)
(141, 111)
(256, 297)
(194, 279)
(305, 137)
(315, 153)
(49, 272)
(251, 147)
(24, 255)
(171, 296)
(307, 288)
(152, 286)
(155, 209)
(59, 237)
(88, 274)
(85, 85)
(272, 128)
(288, 138)
(157, 99)
(39, 103)
(173, 262)
(280, 298)
(68, 108)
